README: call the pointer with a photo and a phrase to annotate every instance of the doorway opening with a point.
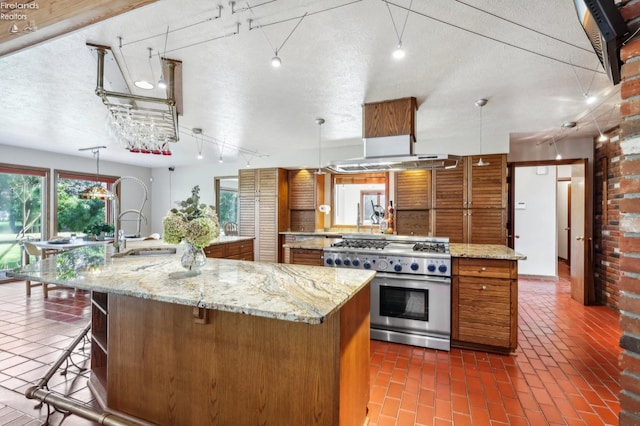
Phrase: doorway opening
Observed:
(549, 220)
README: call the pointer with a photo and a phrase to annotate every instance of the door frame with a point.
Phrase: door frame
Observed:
(588, 210)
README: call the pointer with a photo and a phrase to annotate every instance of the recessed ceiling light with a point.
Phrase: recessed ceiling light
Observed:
(143, 84)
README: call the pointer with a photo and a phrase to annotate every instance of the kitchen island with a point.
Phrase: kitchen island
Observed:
(242, 343)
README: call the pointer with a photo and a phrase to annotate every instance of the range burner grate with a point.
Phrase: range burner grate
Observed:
(428, 247)
(361, 244)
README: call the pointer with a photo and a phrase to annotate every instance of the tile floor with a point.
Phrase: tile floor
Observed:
(565, 371)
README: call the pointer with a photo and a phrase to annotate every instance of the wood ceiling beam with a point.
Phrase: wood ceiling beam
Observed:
(54, 18)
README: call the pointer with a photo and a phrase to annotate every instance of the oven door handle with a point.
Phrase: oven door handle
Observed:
(432, 279)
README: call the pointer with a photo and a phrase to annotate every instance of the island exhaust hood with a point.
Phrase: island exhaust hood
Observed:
(388, 132)
(392, 153)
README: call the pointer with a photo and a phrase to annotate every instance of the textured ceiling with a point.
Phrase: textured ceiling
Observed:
(531, 59)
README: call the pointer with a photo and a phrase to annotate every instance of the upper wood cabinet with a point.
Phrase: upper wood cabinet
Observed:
(412, 202)
(469, 202)
(413, 190)
(263, 212)
(306, 193)
(471, 186)
(389, 118)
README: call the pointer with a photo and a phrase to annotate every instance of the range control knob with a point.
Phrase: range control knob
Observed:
(366, 265)
(338, 261)
(397, 267)
(414, 266)
(442, 268)
(382, 265)
(431, 267)
(355, 262)
(329, 261)
(346, 262)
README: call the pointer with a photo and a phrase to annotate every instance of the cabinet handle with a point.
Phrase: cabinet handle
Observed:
(483, 269)
(484, 287)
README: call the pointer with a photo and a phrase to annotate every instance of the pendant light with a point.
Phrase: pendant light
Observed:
(481, 103)
(555, 146)
(319, 122)
(97, 191)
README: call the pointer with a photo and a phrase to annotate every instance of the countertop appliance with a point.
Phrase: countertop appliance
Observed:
(411, 292)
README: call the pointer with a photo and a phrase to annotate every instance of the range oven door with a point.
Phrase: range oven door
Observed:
(411, 309)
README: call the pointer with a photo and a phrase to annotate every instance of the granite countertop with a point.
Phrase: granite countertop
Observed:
(225, 239)
(297, 293)
(484, 251)
(311, 243)
(314, 233)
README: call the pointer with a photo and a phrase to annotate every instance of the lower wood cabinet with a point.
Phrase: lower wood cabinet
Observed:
(238, 250)
(485, 304)
(301, 256)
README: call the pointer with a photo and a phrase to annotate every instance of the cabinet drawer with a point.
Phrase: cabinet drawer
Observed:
(242, 256)
(307, 257)
(218, 251)
(490, 268)
(240, 247)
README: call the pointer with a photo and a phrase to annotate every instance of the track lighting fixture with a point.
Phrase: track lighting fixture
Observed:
(555, 146)
(276, 62)
(399, 52)
(319, 122)
(196, 131)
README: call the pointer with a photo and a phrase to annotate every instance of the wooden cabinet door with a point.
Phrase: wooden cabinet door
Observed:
(487, 184)
(484, 311)
(413, 190)
(302, 190)
(312, 257)
(487, 226)
(247, 193)
(450, 223)
(449, 187)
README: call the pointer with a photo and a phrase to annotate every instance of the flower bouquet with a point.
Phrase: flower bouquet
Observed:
(195, 224)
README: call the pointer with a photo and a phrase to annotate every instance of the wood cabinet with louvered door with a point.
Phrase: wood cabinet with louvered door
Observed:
(412, 202)
(485, 304)
(306, 193)
(263, 209)
(480, 192)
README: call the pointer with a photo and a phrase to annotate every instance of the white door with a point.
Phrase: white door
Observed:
(580, 238)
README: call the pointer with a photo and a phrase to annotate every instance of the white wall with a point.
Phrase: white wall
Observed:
(535, 220)
(131, 192)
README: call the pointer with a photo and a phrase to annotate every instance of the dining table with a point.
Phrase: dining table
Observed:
(54, 246)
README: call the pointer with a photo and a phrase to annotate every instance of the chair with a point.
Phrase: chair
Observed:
(230, 228)
(31, 249)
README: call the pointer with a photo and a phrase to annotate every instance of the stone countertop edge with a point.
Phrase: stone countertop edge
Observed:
(480, 251)
(297, 293)
(484, 251)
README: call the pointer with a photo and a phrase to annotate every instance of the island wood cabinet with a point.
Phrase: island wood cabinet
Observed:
(412, 202)
(469, 201)
(301, 256)
(263, 212)
(237, 250)
(173, 364)
(484, 312)
(306, 193)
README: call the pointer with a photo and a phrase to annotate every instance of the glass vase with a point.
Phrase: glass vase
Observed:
(193, 258)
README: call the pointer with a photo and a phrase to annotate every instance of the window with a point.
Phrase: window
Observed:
(23, 210)
(359, 196)
(227, 199)
(74, 215)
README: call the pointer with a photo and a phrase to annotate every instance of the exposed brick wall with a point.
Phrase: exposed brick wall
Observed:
(629, 227)
(606, 221)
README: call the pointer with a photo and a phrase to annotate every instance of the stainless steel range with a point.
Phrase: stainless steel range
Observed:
(411, 292)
